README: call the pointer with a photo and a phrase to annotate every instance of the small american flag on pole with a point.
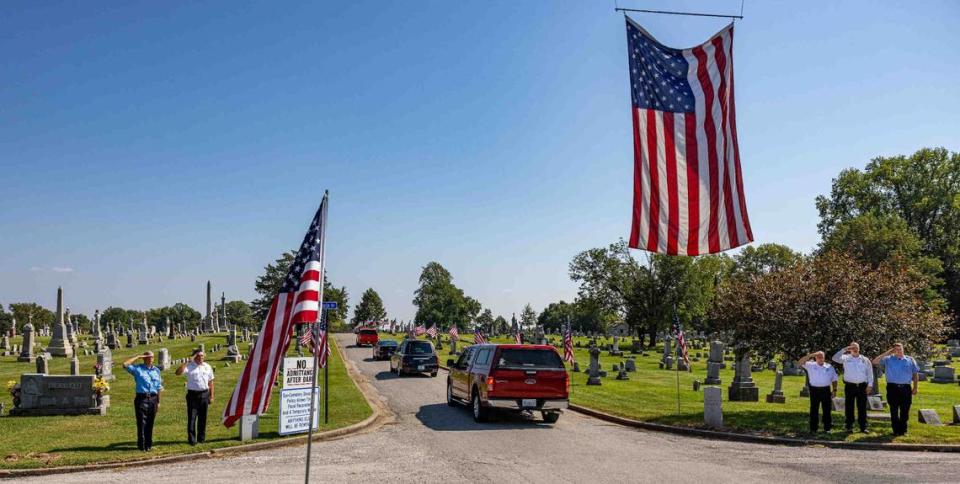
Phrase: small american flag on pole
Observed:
(681, 341)
(297, 302)
(432, 331)
(478, 338)
(518, 336)
(317, 332)
(688, 189)
(454, 334)
(568, 345)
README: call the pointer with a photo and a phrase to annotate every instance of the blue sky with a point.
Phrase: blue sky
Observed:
(149, 146)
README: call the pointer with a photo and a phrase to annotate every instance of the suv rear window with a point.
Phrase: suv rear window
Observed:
(518, 358)
(419, 348)
(368, 331)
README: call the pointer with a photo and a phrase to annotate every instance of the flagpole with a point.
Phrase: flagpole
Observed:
(677, 333)
(313, 337)
(326, 394)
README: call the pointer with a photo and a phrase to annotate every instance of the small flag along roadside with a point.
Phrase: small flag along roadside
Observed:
(432, 332)
(568, 345)
(454, 334)
(478, 338)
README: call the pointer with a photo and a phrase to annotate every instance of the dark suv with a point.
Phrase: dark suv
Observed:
(415, 356)
(509, 376)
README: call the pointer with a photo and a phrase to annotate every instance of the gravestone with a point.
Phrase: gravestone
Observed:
(71, 329)
(714, 363)
(839, 403)
(144, 332)
(743, 389)
(249, 427)
(667, 363)
(635, 346)
(696, 385)
(202, 347)
(75, 366)
(875, 402)
(929, 416)
(5, 344)
(622, 375)
(777, 396)
(667, 352)
(956, 414)
(112, 340)
(772, 365)
(43, 363)
(130, 343)
(26, 351)
(630, 365)
(943, 373)
(594, 370)
(105, 360)
(60, 343)
(163, 359)
(790, 368)
(57, 395)
(576, 367)
(713, 407)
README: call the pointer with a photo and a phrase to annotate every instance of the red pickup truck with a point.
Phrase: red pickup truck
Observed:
(509, 376)
(367, 336)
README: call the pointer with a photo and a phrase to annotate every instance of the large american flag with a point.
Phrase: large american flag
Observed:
(568, 345)
(297, 302)
(478, 338)
(688, 189)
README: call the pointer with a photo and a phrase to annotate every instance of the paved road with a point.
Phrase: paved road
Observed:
(430, 442)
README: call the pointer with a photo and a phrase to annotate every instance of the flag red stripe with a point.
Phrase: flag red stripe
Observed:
(637, 186)
(310, 275)
(693, 184)
(736, 151)
(673, 202)
(733, 239)
(652, 240)
(709, 128)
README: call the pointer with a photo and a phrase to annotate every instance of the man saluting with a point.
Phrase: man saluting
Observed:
(147, 402)
(857, 383)
(199, 395)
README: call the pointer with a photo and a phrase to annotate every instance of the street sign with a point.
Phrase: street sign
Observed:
(329, 305)
(295, 410)
(297, 373)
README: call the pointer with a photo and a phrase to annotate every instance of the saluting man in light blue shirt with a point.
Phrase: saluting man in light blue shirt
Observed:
(149, 384)
(902, 373)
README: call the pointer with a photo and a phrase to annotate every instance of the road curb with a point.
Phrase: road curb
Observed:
(380, 415)
(754, 439)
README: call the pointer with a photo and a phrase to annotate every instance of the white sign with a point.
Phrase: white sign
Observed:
(297, 372)
(295, 411)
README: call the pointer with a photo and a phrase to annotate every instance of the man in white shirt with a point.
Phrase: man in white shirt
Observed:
(199, 395)
(857, 383)
(822, 377)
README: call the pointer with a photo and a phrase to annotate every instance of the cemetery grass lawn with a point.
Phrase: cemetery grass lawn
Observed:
(651, 395)
(32, 442)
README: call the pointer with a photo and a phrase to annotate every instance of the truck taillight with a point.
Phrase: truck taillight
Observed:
(489, 384)
(566, 382)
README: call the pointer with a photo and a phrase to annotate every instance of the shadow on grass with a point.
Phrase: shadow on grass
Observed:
(444, 418)
(793, 425)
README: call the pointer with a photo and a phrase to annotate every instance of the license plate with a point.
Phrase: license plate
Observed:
(419, 367)
(530, 381)
(528, 402)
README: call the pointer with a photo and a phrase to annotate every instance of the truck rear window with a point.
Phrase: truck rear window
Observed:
(368, 331)
(517, 358)
(419, 348)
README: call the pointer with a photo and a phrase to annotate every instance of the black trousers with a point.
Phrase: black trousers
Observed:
(856, 395)
(197, 403)
(145, 407)
(900, 397)
(820, 403)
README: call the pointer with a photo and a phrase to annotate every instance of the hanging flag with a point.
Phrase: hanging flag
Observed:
(478, 338)
(687, 185)
(681, 341)
(454, 334)
(568, 345)
(297, 302)
(432, 331)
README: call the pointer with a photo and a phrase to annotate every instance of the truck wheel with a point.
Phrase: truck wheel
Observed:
(450, 401)
(480, 413)
(551, 417)
(433, 375)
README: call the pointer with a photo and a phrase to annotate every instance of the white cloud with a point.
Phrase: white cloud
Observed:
(52, 269)
(36, 269)
(62, 269)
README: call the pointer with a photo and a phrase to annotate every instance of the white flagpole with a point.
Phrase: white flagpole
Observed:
(313, 331)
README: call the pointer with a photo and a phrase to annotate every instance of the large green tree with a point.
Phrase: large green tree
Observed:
(32, 312)
(369, 309)
(268, 285)
(922, 189)
(764, 258)
(178, 313)
(823, 303)
(485, 320)
(241, 314)
(440, 302)
(528, 317)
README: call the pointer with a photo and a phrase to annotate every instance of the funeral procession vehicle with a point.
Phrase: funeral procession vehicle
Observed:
(511, 377)
(367, 336)
(384, 348)
(415, 356)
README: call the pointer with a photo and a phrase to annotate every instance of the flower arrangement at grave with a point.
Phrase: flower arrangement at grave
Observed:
(14, 388)
(100, 386)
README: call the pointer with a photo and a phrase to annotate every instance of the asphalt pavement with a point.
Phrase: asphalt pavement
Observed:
(431, 442)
